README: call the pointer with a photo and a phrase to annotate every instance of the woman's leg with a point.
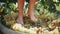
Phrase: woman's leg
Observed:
(30, 10)
(20, 11)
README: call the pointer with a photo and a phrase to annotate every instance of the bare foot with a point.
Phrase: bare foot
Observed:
(34, 19)
(20, 21)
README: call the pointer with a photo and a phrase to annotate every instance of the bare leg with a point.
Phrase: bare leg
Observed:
(20, 12)
(30, 10)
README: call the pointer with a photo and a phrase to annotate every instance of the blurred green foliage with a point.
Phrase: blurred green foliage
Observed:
(47, 10)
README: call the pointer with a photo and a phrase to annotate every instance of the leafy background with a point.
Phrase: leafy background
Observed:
(45, 10)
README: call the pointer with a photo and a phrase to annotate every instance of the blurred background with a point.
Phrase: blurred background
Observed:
(46, 10)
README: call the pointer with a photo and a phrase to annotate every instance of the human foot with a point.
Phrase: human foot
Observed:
(33, 18)
(20, 21)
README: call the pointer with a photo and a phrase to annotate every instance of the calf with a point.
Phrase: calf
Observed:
(30, 11)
